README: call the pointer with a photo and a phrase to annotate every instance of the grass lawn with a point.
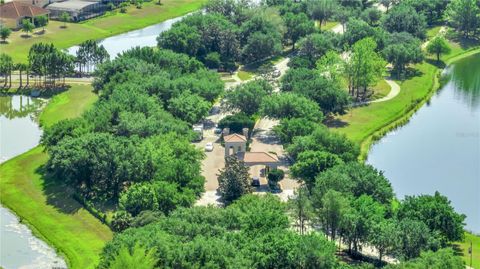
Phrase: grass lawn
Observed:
(248, 71)
(380, 90)
(45, 205)
(245, 75)
(107, 25)
(329, 25)
(462, 249)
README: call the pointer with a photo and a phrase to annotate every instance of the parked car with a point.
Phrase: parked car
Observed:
(256, 181)
(217, 130)
(209, 146)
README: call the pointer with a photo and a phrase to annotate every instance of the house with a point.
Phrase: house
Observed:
(12, 13)
(78, 10)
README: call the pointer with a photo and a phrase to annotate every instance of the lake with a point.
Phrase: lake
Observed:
(439, 149)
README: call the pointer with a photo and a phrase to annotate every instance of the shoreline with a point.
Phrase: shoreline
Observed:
(403, 119)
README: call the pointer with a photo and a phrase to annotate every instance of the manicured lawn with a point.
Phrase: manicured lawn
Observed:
(245, 75)
(110, 24)
(68, 104)
(381, 89)
(45, 204)
(329, 25)
(475, 240)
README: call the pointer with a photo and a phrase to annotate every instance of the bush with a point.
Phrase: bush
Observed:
(146, 217)
(137, 198)
(212, 60)
(274, 176)
(237, 122)
(121, 221)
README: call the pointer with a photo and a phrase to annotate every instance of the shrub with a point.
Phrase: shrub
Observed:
(237, 122)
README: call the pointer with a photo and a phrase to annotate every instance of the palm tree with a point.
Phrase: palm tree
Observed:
(138, 258)
(21, 67)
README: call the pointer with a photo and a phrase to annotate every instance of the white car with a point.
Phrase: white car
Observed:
(277, 73)
(209, 146)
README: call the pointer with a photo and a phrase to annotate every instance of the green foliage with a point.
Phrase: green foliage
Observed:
(314, 46)
(355, 179)
(402, 49)
(300, 208)
(290, 128)
(321, 10)
(138, 258)
(413, 237)
(65, 17)
(41, 21)
(404, 18)
(436, 212)
(27, 26)
(438, 46)
(298, 26)
(331, 214)
(233, 180)
(321, 139)
(384, 237)
(441, 259)
(290, 105)
(463, 15)
(260, 46)
(46, 61)
(212, 60)
(137, 198)
(5, 33)
(90, 54)
(247, 97)
(189, 107)
(433, 10)
(310, 163)
(253, 232)
(327, 92)
(121, 220)
(237, 122)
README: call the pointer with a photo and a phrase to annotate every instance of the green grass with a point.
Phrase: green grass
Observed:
(112, 23)
(245, 75)
(68, 104)
(380, 90)
(45, 205)
(462, 248)
(329, 25)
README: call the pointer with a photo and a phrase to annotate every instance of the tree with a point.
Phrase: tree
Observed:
(463, 15)
(181, 38)
(6, 67)
(310, 163)
(290, 105)
(21, 67)
(237, 122)
(438, 46)
(138, 257)
(233, 180)
(404, 18)
(401, 50)
(301, 208)
(41, 21)
(247, 97)
(212, 60)
(442, 259)
(334, 206)
(274, 176)
(436, 212)
(27, 26)
(355, 179)
(413, 237)
(123, 7)
(384, 237)
(189, 107)
(65, 17)
(365, 67)
(290, 128)
(4, 33)
(137, 198)
(321, 10)
(260, 46)
(298, 26)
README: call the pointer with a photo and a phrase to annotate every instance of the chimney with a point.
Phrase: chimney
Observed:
(245, 132)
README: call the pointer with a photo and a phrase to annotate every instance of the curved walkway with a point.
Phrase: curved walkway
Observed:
(394, 91)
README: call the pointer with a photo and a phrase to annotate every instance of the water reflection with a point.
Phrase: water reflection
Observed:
(439, 149)
(19, 130)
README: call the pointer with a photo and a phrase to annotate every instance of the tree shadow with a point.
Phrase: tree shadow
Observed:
(335, 123)
(58, 193)
(25, 36)
(42, 32)
(410, 72)
(457, 250)
(4, 42)
(439, 64)
(464, 42)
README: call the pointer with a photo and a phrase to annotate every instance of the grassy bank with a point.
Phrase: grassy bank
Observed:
(45, 205)
(462, 249)
(110, 24)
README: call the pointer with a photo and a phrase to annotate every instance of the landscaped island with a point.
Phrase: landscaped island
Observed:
(161, 134)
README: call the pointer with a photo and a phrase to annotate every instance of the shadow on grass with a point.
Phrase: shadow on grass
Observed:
(409, 73)
(439, 64)
(457, 250)
(335, 123)
(25, 36)
(57, 193)
(465, 43)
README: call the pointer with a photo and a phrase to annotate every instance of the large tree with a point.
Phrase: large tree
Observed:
(290, 105)
(404, 18)
(438, 46)
(401, 50)
(464, 16)
(298, 26)
(233, 180)
(310, 163)
(248, 97)
(189, 107)
(321, 10)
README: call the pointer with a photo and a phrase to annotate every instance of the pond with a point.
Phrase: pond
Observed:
(145, 37)
(439, 149)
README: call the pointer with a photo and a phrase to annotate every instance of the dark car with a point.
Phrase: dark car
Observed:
(255, 182)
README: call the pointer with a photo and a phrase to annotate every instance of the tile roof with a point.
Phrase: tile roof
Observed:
(257, 157)
(15, 10)
(235, 138)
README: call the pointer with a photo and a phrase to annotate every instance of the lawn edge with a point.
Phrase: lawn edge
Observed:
(401, 120)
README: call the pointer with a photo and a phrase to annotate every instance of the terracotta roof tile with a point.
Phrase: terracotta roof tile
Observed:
(15, 10)
(235, 138)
